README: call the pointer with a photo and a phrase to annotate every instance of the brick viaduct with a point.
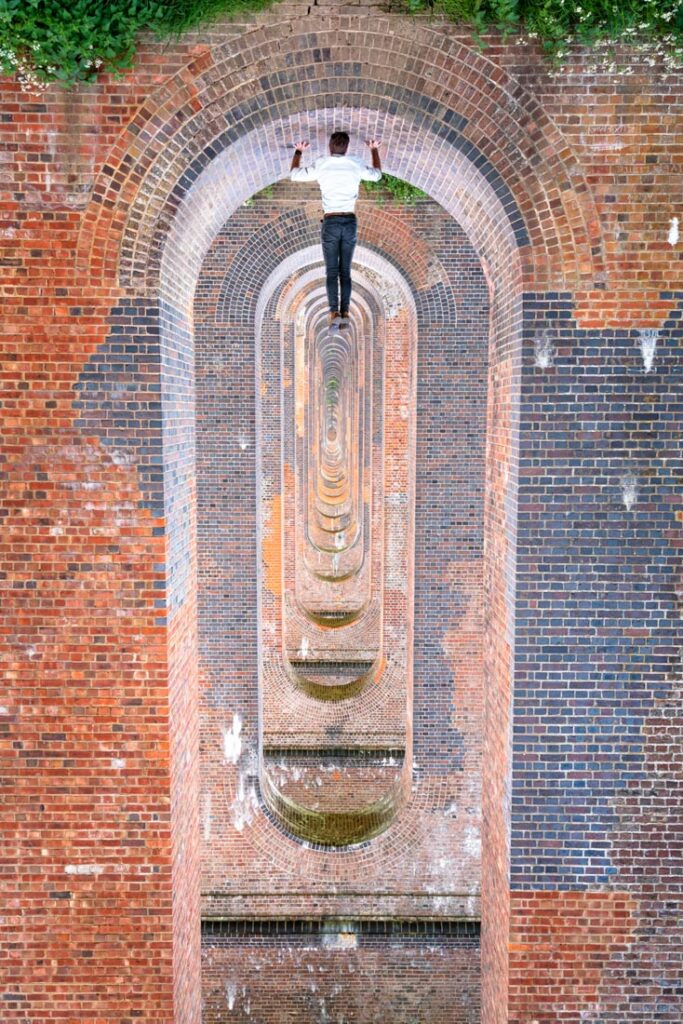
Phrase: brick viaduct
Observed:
(520, 652)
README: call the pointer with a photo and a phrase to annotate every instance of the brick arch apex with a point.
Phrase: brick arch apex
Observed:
(234, 175)
(310, 257)
(474, 105)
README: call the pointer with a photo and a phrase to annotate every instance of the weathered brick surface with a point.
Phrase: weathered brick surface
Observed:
(596, 781)
(350, 971)
(597, 622)
(565, 187)
(564, 940)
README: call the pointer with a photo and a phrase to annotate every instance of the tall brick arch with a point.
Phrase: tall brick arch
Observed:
(224, 341)
(208, 203)
(454, 124)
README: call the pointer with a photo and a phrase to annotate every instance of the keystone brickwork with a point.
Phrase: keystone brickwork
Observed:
(539, 699)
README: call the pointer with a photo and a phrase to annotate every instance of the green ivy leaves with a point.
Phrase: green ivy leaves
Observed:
(395, 189)
(53, 40)
(46, 40)
(73, 41)
(558, 23)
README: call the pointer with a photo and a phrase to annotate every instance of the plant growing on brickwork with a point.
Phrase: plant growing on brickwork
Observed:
(648, 24)
(265, 193)
(48, 40)
(396, 189)
(69, 41)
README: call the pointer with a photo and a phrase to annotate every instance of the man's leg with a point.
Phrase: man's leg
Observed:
(330, 243)
(349, 236)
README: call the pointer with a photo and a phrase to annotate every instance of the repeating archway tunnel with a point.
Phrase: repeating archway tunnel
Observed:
(193, 155)
(340, 726)
(338, 677)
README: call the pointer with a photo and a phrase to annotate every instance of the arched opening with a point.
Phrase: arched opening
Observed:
(336, 695)
(432, 799)
(388, 759)
(194, 180)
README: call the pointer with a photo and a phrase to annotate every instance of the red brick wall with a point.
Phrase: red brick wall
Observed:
(99, 735)
(560, 944)
(85, 757)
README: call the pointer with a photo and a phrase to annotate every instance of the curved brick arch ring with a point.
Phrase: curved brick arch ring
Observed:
(453, 123)
(273, 254)
(173, 250)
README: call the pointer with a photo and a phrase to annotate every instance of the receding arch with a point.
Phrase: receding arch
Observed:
(176, 285)
(296, 706)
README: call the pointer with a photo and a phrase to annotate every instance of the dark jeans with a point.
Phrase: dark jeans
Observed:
(339, 240)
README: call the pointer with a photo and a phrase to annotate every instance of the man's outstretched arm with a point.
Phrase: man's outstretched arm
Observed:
(296, 171)
(374, 173)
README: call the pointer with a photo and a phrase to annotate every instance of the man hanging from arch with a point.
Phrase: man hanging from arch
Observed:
(339, 177)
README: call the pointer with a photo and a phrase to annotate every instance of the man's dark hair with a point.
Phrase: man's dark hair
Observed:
(339, 142)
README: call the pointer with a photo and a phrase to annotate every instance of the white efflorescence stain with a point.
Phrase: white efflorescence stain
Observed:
(84, 869)
(648, 347)
(544, 350)
(232, 742)
(230, 994)
(245, 804)
(673, 231)
(472, 842)
(629, 490)
(340, 940)
(120, 457)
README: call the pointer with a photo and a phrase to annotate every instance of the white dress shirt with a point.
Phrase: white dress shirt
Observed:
(339, 178)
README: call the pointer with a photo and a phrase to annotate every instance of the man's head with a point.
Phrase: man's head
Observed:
(339, 143)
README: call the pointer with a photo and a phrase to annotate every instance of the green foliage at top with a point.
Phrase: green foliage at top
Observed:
(558, 23)
(73, 41)
(396, 189)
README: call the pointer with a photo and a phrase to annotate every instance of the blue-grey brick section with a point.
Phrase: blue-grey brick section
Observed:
(449, 502)
(118, 396)
(596, 621)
